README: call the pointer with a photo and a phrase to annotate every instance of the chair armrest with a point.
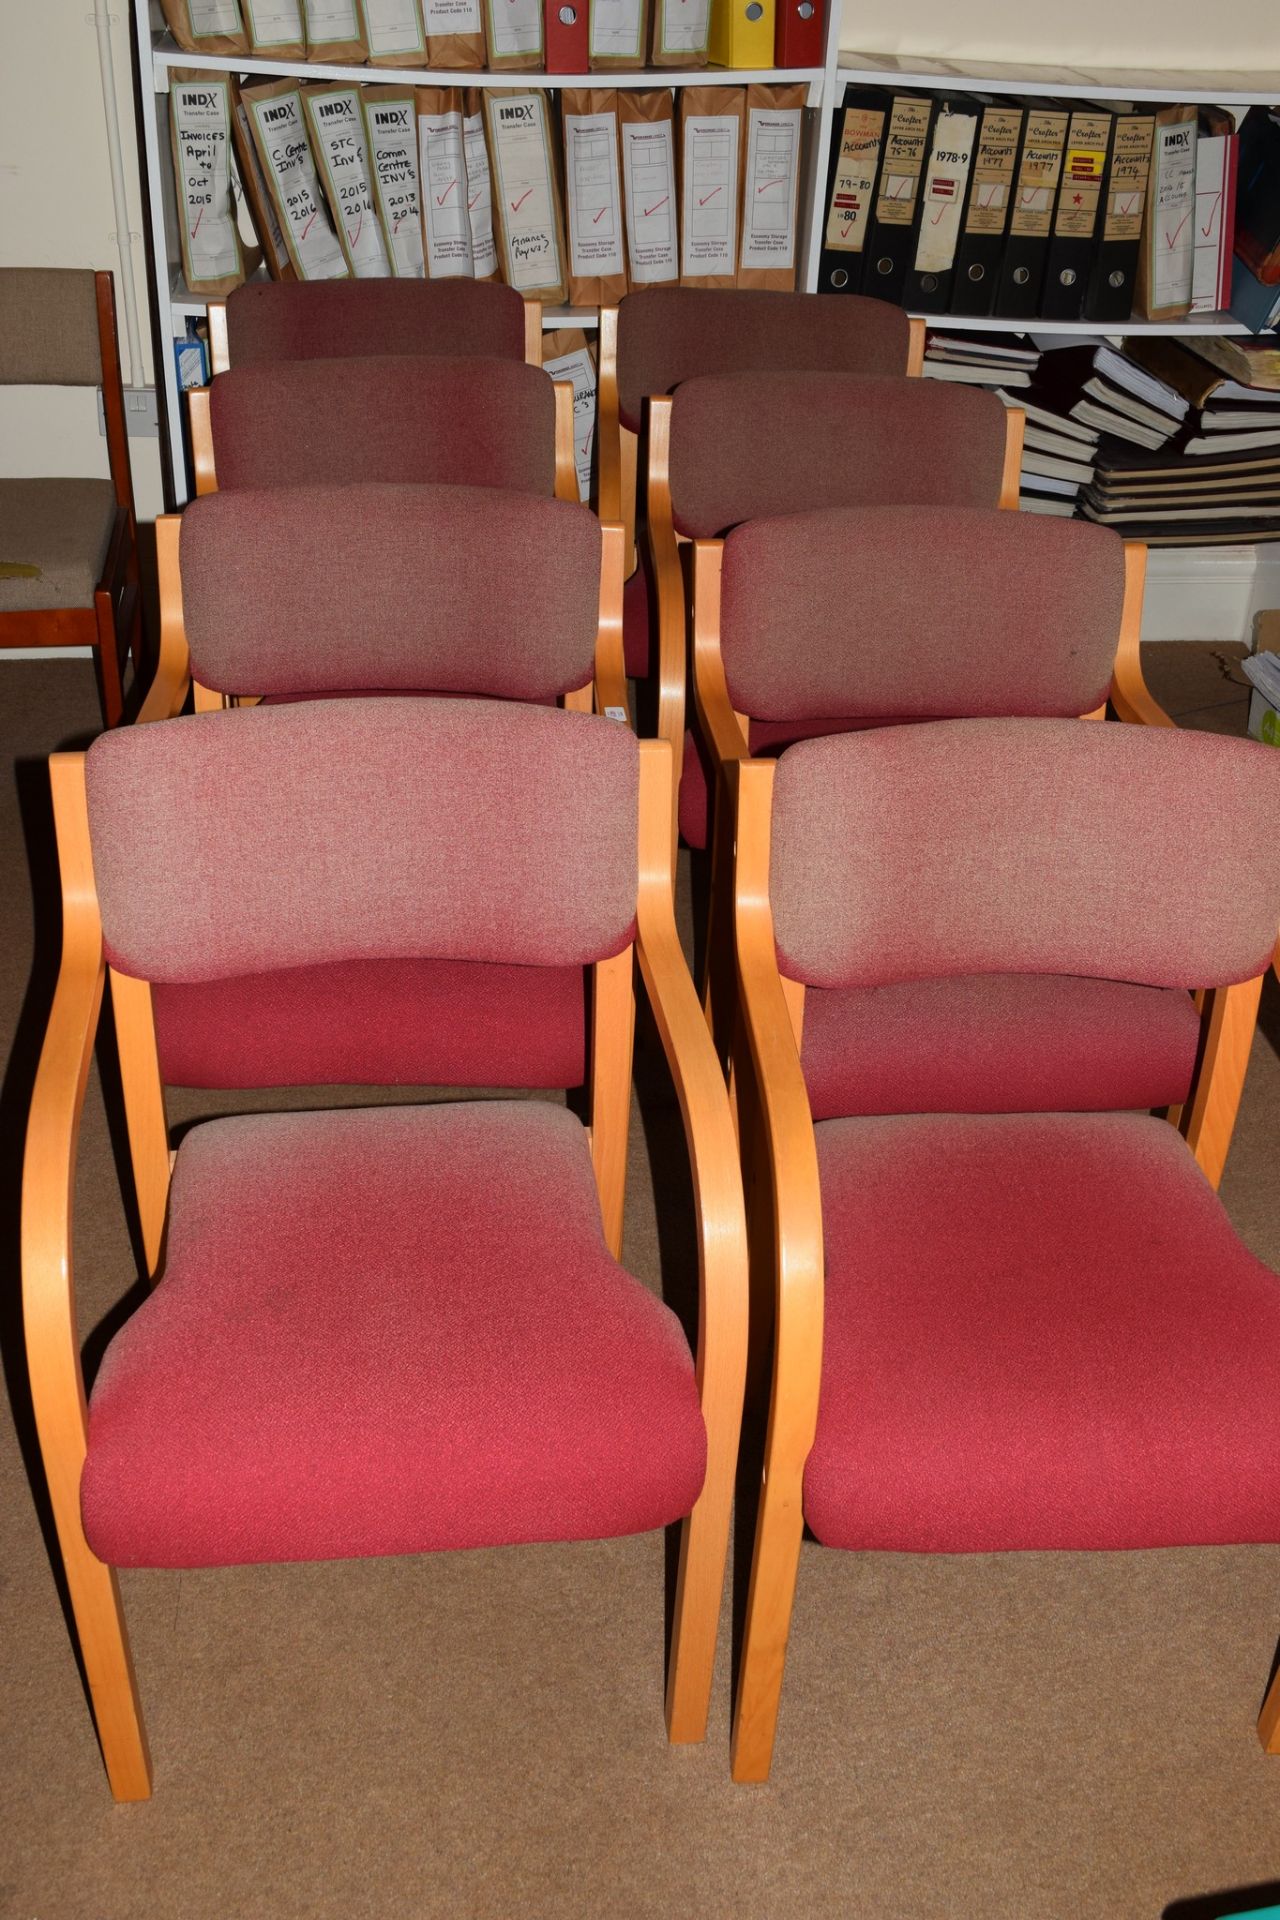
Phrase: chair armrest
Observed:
(782, 1101)
(609, 483)
(48, 1169)
(668, 579)
(1129, 694)
(168, 689)
(724, 729)
(611, 666)
(704, 1109)
(566, 481)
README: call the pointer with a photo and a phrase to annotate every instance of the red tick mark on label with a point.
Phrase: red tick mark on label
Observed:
(517, 204)
(199, 217)
(596, 218)
(846, 231)
(781, 181)
(311, 222)
(656, 205)
(1213, 214)
(1171, 239)
(442, 197)
(708, 196)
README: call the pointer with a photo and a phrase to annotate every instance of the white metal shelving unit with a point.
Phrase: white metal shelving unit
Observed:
(156, 55)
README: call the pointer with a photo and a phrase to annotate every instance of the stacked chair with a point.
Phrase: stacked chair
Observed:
(982, 973)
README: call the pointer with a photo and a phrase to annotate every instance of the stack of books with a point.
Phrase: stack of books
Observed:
(1216, 480)
(1083, 400)
(980, 362)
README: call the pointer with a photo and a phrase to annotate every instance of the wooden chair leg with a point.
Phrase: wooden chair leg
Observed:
(704, 1549)
(108, 1663)
(107, 650)
(718, 996)
(1269, 1718)
(770, 1596)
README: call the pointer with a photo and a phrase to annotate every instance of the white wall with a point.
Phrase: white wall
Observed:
(56, 210)
(1159, 33)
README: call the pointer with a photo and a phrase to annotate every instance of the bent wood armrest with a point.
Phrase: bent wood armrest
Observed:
(1015, 427)
(668, 576)
(783, 1101)
(533, 332)
(48, 1170)
(916, 330)
(1129, 694)
(723, 728)
(722, 1252)
(611, 667)
(704, 1105)
(609, 484)
(1209, 1117)
(219, 345)
(168, 689)
(566, 483)
(782, 1104)
(201, 423)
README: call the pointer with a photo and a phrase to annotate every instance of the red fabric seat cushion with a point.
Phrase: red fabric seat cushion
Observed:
(442, 1023)
(383, 1332)
(1040, 1332)
(997, 1043)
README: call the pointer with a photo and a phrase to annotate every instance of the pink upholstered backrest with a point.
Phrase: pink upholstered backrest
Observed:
(444, 589)
(1026, 846)
(670, 334)
(910, 612)
(750, 445)
(477, 423)
(242, 842)
(341, 319)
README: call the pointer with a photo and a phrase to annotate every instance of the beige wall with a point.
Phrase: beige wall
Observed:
(1163, 33)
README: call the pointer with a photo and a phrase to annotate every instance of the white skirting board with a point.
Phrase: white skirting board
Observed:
(1208, 593)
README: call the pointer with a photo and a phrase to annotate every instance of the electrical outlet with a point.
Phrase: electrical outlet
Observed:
(140, 416)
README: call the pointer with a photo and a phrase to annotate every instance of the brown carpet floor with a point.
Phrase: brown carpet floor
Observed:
(481, 1734)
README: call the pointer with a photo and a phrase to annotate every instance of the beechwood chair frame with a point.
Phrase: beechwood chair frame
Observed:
(605, 693)
(205, 472)
(220, 344)
(787, 1248)
(726, 733)
(48, 1190)
(112, 626)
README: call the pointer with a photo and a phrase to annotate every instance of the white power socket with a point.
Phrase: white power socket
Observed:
(140, 415)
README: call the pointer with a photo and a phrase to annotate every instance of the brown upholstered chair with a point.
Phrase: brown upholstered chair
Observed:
(338, 319)
(68, 548)
(1010, 1312)
(830, 440)
(386, 1330)
(471, 422)
(311, 591)
(843, 620)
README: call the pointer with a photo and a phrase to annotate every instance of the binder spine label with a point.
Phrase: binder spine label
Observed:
(1083, 166)
(943, 192)
(993, 164)
(393, 159)
(1173, 213)
(769, 209)
(1038, 175)
(903, 162)
(593, 194)
(855, 177)
(649, 173)
(1130, 167)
